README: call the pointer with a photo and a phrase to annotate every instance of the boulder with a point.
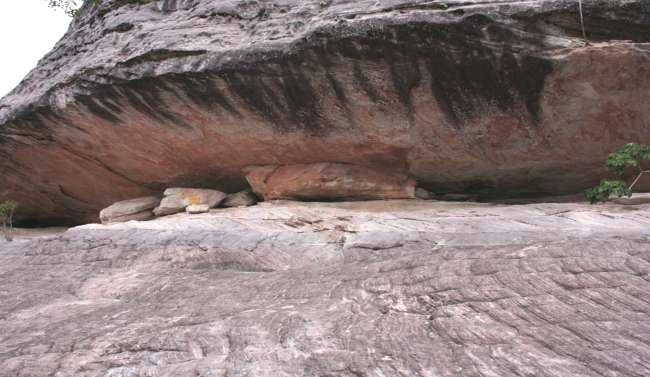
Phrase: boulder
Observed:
(635, 199)
(127, 210)
(424, 194)
(329, 181)
(240, 199)
(197, 208)
(178, 199)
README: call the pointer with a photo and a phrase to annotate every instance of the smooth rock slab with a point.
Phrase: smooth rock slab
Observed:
(329, 181)
(133, 209)
(635, 199)
(391, 288)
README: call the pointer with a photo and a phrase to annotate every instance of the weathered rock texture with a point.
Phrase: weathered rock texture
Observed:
(178, 199)
(327, 181)
(487, 96)
(240, 199)
(132, 209)
(397, 289)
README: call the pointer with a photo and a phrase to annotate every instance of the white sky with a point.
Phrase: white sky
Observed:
(28, 30)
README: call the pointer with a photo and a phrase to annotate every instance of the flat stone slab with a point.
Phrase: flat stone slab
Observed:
(127, 210)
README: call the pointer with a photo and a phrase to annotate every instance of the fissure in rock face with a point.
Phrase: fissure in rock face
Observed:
(495, 98)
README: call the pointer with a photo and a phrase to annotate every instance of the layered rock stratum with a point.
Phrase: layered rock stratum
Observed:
(491, 97)
(393, 288)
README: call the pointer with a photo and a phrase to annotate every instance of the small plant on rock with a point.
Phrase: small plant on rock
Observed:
(627, 158)
(7, 210)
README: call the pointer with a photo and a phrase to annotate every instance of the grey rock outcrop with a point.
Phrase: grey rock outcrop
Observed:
(244, 198)
(396, 288)
(176, 200)
(496, 97)
(127, 210)
(424, 194)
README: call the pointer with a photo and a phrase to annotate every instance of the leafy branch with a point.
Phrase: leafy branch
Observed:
(628, 157)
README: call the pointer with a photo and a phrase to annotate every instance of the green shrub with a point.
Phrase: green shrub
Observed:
(607, 189)
(7, 210)
(628, 157)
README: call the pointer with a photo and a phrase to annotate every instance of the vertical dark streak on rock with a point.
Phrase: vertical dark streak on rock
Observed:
(531, 83)
(251, 92)
(405, 78)
(143, 96)
(270, 87)
(322, 58)
(366, 85)
(98, 110)
(30, 122)
(341, 97)
(302, 100)
(203, 91)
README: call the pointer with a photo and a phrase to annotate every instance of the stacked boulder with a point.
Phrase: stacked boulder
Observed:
(175, 200)
(191, 200)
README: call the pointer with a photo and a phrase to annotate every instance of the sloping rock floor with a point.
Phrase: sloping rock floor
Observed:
(398, 288)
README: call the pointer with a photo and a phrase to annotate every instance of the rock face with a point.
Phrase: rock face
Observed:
(178, 199)
(127, 210)
(490, 97)
(328, 181)
(397, 288)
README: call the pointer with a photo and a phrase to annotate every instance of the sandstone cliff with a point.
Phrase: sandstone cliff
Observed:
(492, 97)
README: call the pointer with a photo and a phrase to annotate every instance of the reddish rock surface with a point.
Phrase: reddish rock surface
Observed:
(489, 97)
(327, 181)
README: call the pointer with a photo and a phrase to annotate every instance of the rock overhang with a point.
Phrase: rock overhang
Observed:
(450, 95)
